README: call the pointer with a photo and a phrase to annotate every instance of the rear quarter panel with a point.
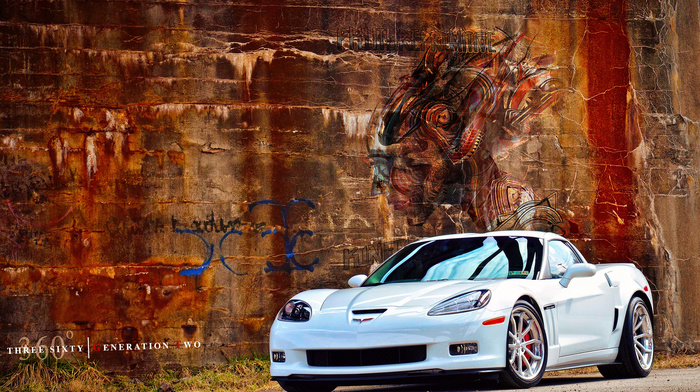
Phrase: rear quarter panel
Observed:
(630, 280)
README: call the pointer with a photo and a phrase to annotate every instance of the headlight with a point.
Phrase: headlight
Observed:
(462, 303)
(295, 310)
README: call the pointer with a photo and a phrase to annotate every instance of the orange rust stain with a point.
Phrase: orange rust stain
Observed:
(176, 157)
(126, 297)
(254, 324)
(608, 52)
(160, 157)
(282, 190)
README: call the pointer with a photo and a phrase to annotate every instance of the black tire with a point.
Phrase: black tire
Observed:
(636, 352)
(306, 386)
(525, 350)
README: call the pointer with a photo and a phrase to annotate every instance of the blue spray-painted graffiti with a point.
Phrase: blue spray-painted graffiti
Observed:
(210, 253)
(290, 242)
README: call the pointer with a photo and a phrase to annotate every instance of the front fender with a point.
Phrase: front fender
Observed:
(315, 298)
(508, 292)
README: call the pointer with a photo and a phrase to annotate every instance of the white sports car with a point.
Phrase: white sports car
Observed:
(515, 303)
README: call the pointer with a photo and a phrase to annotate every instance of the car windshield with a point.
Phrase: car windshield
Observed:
(472, 258)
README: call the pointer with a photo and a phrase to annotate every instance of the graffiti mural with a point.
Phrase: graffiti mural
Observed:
(434, 140)
(371, 255)
(209, 252)
(288, 237)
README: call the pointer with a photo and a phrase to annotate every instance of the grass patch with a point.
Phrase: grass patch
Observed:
(676, 361)
(50, 375)
(241, 374)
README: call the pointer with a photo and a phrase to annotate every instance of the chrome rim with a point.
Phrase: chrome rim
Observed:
(525, 344)
(643, 336)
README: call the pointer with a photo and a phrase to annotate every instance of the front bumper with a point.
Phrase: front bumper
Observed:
(336, 331)
(415, 377)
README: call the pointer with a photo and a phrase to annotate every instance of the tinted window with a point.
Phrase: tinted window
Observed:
(560, 257)
(481, 258)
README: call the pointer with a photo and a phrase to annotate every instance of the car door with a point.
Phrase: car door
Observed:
(585, 309)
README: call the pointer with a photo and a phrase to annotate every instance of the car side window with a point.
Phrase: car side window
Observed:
(560, 258)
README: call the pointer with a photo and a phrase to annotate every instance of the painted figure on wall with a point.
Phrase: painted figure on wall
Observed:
(435, 138)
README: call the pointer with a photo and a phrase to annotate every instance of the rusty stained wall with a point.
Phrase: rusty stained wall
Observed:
(158, 158)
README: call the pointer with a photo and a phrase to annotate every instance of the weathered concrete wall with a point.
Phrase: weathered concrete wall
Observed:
(666, 48)
(173, 172)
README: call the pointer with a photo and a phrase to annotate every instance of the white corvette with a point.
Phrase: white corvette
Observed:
(515, 303)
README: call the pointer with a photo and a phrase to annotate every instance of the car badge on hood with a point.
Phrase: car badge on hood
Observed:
(362, 320)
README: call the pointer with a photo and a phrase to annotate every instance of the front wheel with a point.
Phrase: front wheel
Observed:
(636, 351)
(526, 349)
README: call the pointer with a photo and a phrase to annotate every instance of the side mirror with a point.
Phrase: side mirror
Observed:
(357, 280)
(577, 271)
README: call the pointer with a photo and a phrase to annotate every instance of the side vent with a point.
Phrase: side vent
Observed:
(617, 315)
(550, 324)
(369, 311)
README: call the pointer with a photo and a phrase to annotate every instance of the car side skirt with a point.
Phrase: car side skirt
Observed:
(593, 358)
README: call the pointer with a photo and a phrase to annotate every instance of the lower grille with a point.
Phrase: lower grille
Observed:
(366, 357)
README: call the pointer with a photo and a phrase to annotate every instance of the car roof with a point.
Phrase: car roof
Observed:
(509, 233)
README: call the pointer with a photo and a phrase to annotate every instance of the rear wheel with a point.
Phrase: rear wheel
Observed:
(636, 352)
(526, 349)
(306, 386)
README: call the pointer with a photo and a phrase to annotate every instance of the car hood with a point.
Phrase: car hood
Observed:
(393, 295)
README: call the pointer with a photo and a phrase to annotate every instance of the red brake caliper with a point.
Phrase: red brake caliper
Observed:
(529, 347)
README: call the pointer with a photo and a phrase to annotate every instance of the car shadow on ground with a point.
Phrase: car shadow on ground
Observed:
(473, 385)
